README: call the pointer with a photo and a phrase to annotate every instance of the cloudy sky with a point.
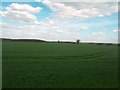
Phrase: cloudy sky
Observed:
(66, 21)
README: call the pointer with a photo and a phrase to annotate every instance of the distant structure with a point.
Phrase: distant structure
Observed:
(78, 41)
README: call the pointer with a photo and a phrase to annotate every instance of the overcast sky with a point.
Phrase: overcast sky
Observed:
(68, 21)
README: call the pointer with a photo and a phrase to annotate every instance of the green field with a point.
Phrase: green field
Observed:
(59, 65)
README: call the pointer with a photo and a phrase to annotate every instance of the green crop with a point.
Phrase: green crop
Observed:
(59, 65)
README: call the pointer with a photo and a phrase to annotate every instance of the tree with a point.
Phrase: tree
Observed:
(78, 41)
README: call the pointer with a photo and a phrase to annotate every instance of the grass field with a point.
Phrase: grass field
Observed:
(59, 65)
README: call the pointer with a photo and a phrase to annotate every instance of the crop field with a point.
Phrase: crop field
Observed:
(59, 65)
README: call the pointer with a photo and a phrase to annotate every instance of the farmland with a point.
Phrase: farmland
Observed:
(59, 65)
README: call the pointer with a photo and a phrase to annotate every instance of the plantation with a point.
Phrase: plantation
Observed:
(59, 65)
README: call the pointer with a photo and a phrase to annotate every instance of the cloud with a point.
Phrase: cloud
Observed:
(21, 13)
(103, 37)
(36, 32)
(45, 33)
(24, 7)
(99, 35)
(116, 30)
(65, 22)
(83, 27)
(13, 31)
(82, 10)
(81, 0)
(3, 14)
(38, 0)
